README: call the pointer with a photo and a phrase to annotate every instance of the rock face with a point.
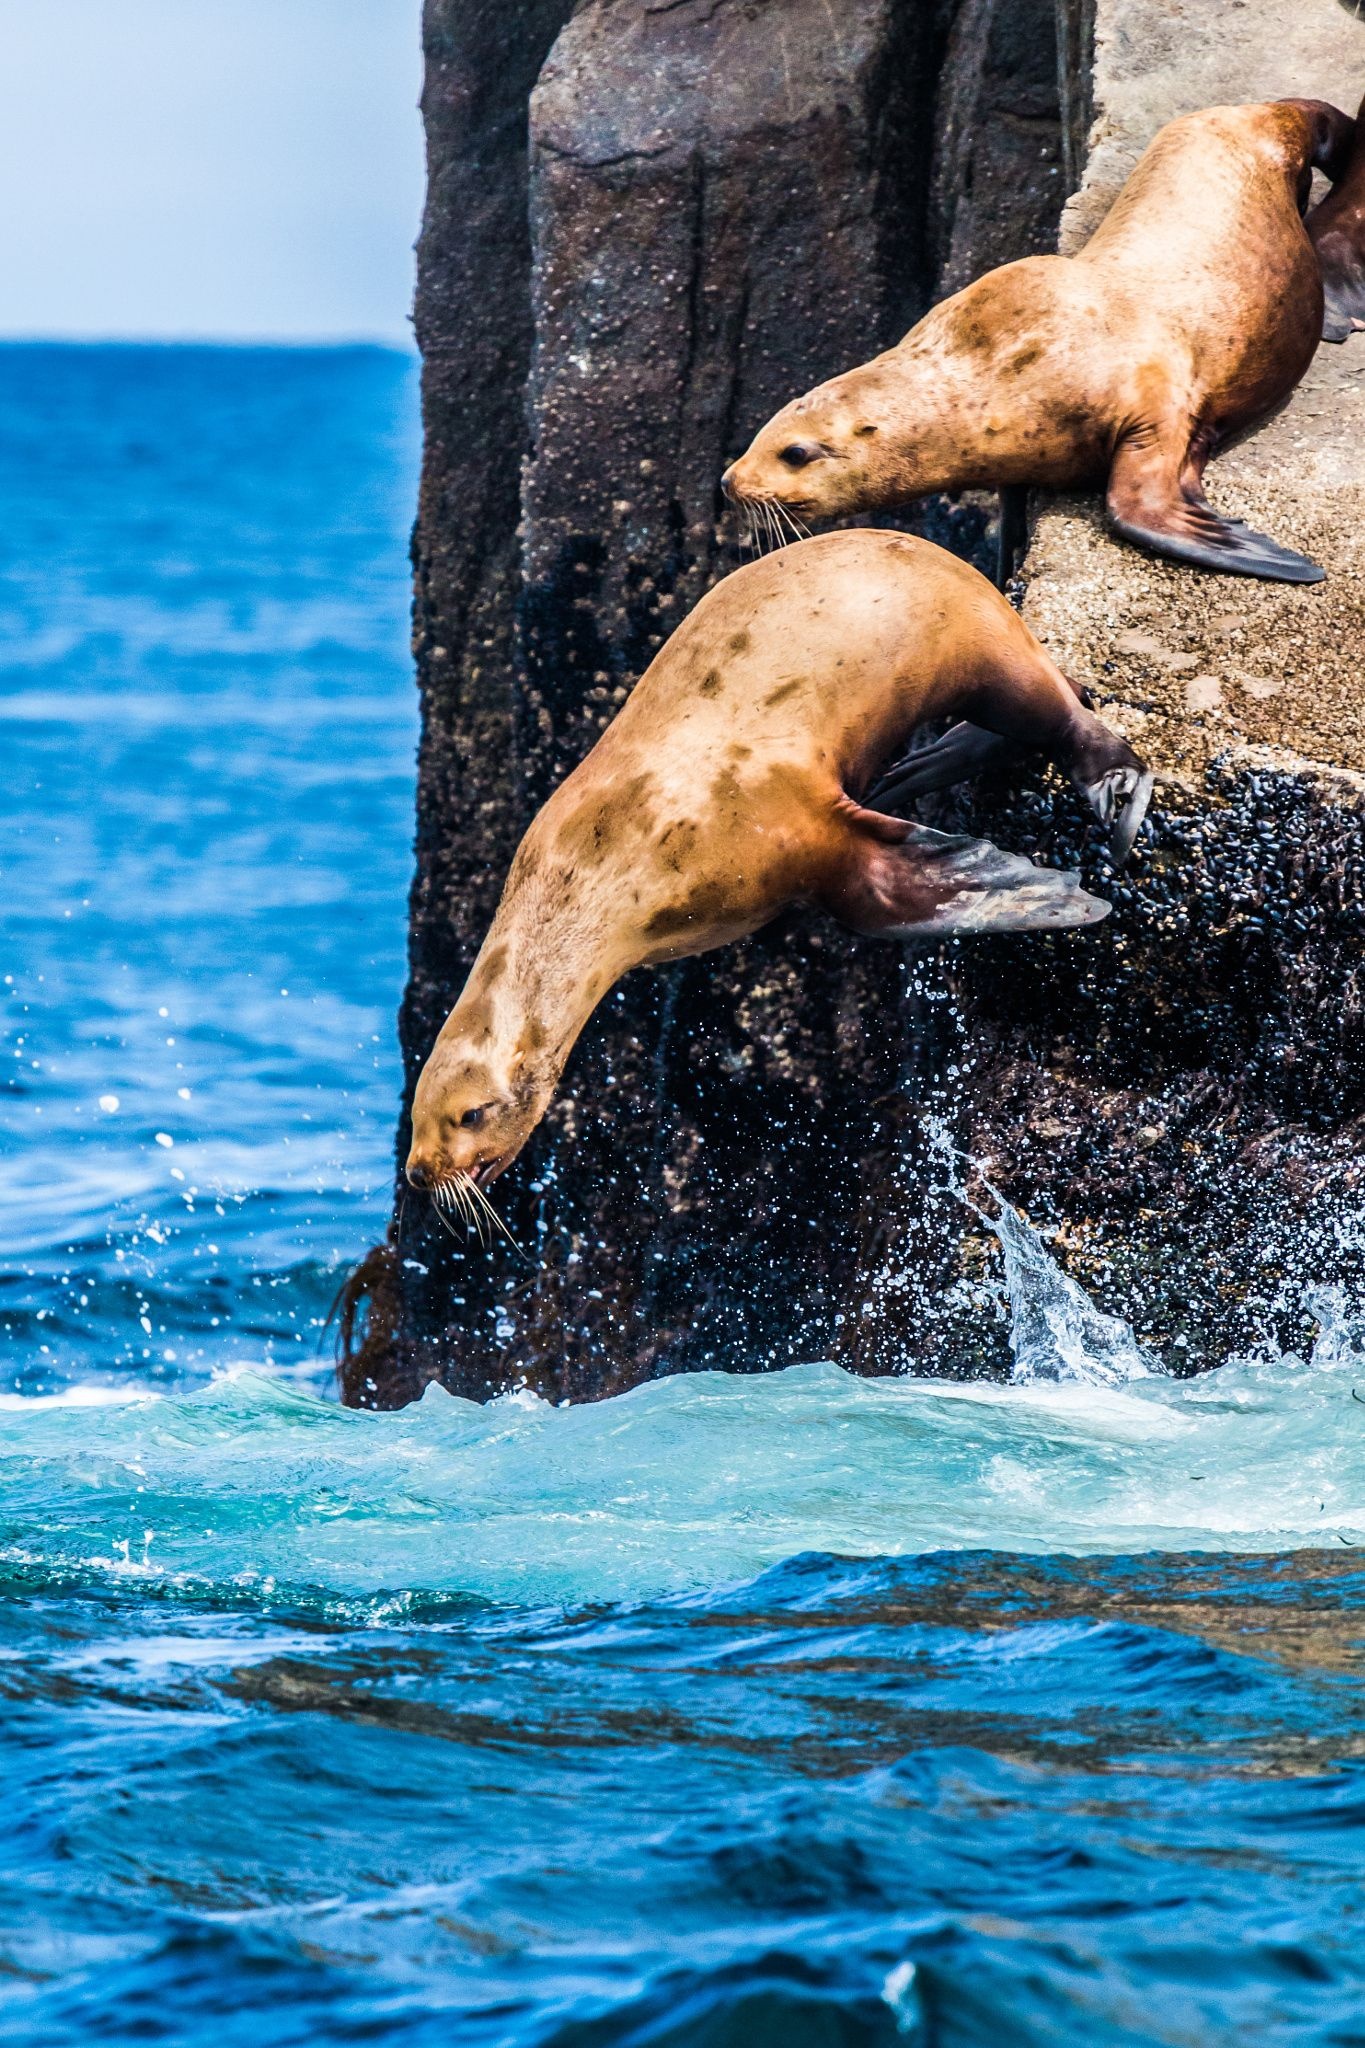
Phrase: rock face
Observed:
(650, 223)
(1182, 1096)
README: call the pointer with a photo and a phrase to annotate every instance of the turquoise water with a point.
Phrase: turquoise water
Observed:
(734, 1713)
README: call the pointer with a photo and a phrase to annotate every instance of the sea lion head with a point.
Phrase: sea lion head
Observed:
(833, 452)
(471, 1112)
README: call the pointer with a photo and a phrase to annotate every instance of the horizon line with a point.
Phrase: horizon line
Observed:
(392, 344)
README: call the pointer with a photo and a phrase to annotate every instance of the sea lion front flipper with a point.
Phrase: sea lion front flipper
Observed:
(1147, 505)
(1342, 259)
(965, 750)
(1011, 541)
(1120, 800)
(933, 884)
(1336, 228)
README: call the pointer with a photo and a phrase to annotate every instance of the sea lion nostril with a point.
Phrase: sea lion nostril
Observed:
(418, 1176)
(727, 485)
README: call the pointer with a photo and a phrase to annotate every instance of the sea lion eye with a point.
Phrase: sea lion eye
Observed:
(863, 431)
(797, 454)
(472, 1118)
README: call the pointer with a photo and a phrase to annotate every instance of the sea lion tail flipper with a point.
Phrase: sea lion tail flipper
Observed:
(936, 883)
(1146, 505)
(965, 750)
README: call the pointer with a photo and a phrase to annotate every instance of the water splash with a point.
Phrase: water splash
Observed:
(1056, 1331)
(1340, 1342)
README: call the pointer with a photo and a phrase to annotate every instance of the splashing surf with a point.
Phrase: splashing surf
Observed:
(254, 1489)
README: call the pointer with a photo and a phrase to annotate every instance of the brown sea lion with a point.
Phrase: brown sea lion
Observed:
(1336, 228)
(1190, 314)
(730, 785)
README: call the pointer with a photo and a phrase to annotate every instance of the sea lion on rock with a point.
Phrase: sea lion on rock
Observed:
(729, 786)
(1190, 314)
(1336, 228)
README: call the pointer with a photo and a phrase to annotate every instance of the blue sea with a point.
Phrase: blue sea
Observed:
(785, 1712)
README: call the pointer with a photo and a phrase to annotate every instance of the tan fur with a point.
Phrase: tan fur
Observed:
(1191, 313)
(726, 789)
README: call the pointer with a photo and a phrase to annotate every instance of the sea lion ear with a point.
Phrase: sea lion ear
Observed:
(863, 431)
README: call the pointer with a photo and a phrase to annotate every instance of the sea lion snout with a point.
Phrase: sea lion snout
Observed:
(471, 1116)
(823, 460)
(471, 1144)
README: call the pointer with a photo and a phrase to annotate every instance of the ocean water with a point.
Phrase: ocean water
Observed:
(787, 1712)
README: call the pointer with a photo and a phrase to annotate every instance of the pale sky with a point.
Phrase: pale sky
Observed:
(245, 169)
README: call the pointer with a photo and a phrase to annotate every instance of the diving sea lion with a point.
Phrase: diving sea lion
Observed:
(1190, 314)
(1336, 228)
(730, 785)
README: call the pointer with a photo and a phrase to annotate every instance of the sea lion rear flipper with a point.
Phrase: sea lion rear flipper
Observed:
(964, 751)
(1147, 505)
(936, 883)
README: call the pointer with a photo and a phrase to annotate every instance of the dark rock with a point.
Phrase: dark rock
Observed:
(1180, 1093)
(473, 320)
(1000, 171)
(714, 204)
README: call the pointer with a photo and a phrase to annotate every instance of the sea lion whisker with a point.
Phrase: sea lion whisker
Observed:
(473, 1217)
(461, 1188)
(448, 1200)
(795, 530)
(783, 523)
(478, 1195)
(464, 1192)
